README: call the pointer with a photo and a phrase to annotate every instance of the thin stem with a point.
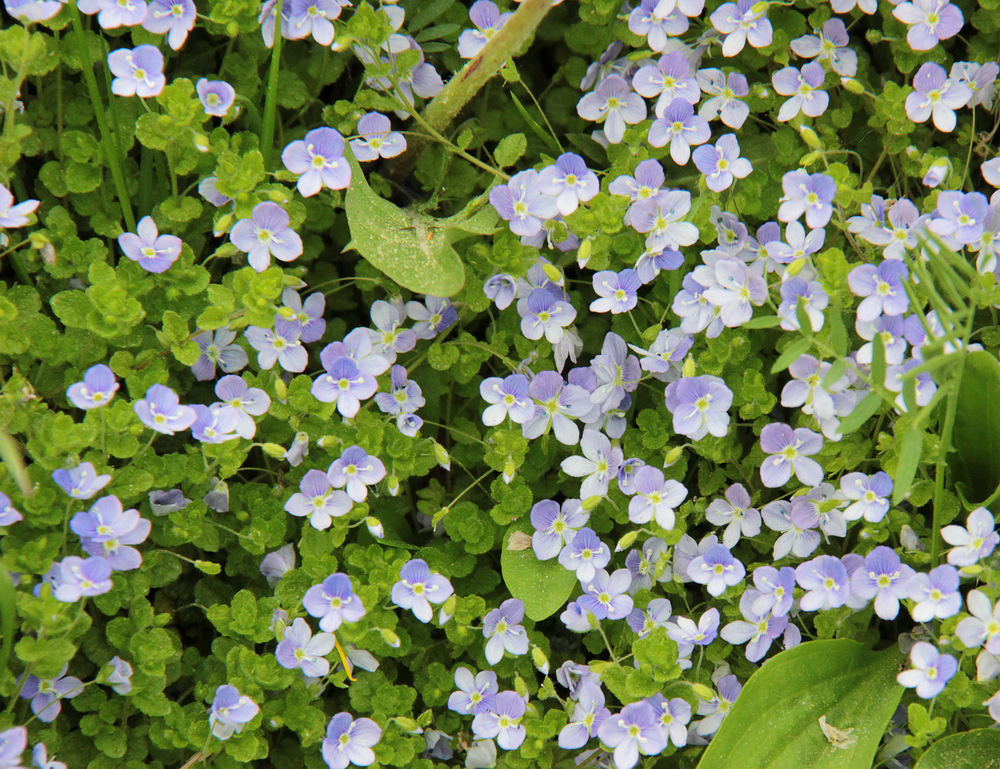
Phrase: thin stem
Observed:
(271, 99)
(107, 140)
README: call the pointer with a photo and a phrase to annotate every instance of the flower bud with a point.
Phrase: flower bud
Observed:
(280, 389)
(540, 660)
(810, 137)
(702, 692)
(392, 484)
(509, 469)
(389, 637)
(796, 267)
(441, 455)
(759, 7)
(408, 725)
(375, 527)
(552, 273)
(275, 450)
(673, 455)
(852, 85)
(689, 366)
(626, 541)
(447, 610)
(583, 253)
(201, 143)
(591, 502)
(810, 158)
(520, 687)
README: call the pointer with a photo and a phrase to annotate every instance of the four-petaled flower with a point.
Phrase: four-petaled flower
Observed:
(265, 234)
(418, 588)
(350, 741)
(319, 161)
(154, 252)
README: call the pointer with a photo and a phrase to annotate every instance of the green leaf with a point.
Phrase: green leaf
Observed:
(763, 321)
(976, 436)
(838, 333)
(861, 413)
(791, 354)
(411, 248)
(837, 370)
(6, 615)
(978, 749)
(544, 586)
(805, 325)
(775, 722)
(510, 149)
(878, 361)
(910, 450)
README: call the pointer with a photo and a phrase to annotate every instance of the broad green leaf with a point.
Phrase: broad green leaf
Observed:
(775, 722)
(763, 321)
(910, 450)
(976, 436)
(978, 749)
(510, 149)
(411, 248)
(544, 586)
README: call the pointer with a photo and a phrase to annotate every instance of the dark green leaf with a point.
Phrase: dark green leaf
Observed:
(775, 722)
(838, 332)
(976, 436)
(878, 361)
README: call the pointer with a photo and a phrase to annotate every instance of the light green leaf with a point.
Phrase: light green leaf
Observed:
(544, 586)
(978, 749)
(976, 436)
(510, 149)
(411, 248)
(763, 321)
(775, 722)
(861, 413)
(791, 354)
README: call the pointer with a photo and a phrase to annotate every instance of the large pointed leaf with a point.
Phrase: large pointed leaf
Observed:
(544, 586)
(978, 749)
(775, 722)
(411, 248)
(976, 436)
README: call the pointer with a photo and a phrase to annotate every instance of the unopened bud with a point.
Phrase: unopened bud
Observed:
(689, 366)
(389, 637)
(852, 85)
(408, 725)
(441, 455)
(759, 7)
(810, 137)
(671, 457)
(583, 253)
(702, 692)
(591, 502)
(626, 541)
(375, 527)
(280, 389)
(207, 567)
(509, 469)
(447, 610)
(810, 158)
(275, 450)
(201, 143)
(540, 660)
(552, 273)
(650, 334)
(520, 687)
(796, 267)
(971, 571)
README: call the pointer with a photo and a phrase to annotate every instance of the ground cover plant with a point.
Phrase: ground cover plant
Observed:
(522, 385)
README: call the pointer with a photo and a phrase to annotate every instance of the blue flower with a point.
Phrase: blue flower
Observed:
(555, 526)
(936, 594)
(508, 397)
(543, 314)
(735, 513)
(387, 337)
(617, 291)
(598, 465)
(757, 629)
(333, 602)
(282, 344)
(616, 373)
(474, 695)
(503, 722)
(569, 181)
(502, 289)
(46, 694)
(699, 405)
(97, 388)
(556, 405)
(588, 715)
(356, 470)
(418, 588)
(717, 569)
(215, 424)
(884, 578)
(300, 649)
(522, 203)
(350, 741)
(825, 581)
(931, 670)
(80, 482)
(655, 497)
(107, 531)
(633, 731)
(403, 397)
(218, 348)
(504, 632)
(719, 706)
(433, 316)
(230, 712)
(606, 595)
(346, 385)
(774, 590)
(585, 554)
